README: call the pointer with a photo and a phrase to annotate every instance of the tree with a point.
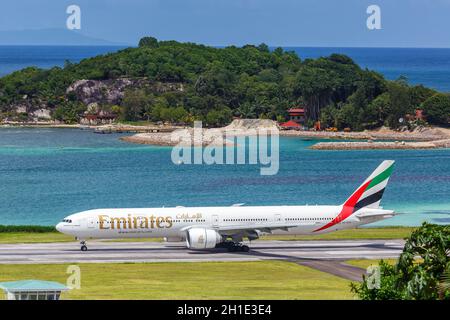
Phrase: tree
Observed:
(173, 115)
(350, 117)
(316, 87)
(149, 42)
(69, 111)
(331, 116)
(400, 103)
(134, 103)
(419, 94)
(437, 109)
(160, 103)
(444, 285)
(380, 106)
(219, 117)
(180, 114)
(419, 271)
(247, 111)
(263, 47)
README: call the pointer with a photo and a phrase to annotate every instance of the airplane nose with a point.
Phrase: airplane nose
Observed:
(59, 227)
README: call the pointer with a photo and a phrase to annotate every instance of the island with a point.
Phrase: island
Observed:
(168, 84)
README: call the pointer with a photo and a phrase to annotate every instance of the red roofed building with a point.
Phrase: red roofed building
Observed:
(297, 115)
(290, 125)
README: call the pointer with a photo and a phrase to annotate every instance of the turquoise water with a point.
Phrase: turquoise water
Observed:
(47, 174)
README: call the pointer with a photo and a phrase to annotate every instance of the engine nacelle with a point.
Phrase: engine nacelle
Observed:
(174, 239)
(201, 238)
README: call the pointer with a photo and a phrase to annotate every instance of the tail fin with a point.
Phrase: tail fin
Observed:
(369, 194)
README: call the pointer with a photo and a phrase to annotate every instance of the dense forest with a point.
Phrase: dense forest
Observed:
(220, 83)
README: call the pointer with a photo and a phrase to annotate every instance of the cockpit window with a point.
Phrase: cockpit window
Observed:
(67, 220)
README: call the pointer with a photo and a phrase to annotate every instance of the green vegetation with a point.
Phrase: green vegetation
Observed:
(364, 263)
(215, 84)
(30, 237)
(195, 280)
(33, 229)
(43, 234)
(437, 108)
(421, 272)
(31, 234)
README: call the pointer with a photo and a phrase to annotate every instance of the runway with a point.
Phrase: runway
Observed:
(109, 252)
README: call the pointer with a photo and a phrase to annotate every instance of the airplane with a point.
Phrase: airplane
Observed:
(226, 227)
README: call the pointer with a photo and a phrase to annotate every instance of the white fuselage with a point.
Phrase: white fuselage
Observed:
(172, 223)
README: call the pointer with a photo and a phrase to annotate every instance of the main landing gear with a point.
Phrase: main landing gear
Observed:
(233, 246)
(83, 246)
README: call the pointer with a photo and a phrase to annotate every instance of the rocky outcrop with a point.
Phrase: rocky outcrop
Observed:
(366, 135)
(112, 91)
(30, 112)
(41, 114)
(444, 143)
(205, 136)
(247, 124)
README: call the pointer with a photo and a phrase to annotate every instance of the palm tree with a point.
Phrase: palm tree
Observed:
(444, 284)
(247, 111)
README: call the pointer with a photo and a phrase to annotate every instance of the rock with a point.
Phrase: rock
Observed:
(215, 136)
(21, 108)
(112, 91)
(245, 124)
(41, 114)
(379, 145)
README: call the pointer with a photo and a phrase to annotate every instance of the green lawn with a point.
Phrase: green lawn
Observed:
(364, 263)
(362, 233)
(194, 280)
(31, 237)
(45, 237)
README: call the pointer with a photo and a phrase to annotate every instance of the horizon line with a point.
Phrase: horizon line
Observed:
(126, 45)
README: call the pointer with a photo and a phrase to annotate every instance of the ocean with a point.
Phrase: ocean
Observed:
(430, 67)
(13, 58)
(47, 174)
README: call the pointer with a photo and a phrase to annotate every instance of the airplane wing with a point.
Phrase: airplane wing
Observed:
(254, 232)
(268, 227)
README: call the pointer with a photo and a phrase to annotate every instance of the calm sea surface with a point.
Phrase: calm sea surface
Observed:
(47, 174)
(430, 67)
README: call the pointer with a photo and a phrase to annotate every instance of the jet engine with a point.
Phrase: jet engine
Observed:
(201, 238)
(174, 239)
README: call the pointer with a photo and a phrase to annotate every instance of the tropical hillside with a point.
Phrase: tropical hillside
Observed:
(180, 82)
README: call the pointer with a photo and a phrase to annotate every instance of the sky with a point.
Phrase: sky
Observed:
(327, 23)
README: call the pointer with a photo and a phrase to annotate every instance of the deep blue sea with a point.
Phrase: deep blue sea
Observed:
(13, 58)
(47, 174)
(430, 67)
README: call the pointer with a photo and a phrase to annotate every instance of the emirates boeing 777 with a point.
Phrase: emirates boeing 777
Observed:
(212, 227)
